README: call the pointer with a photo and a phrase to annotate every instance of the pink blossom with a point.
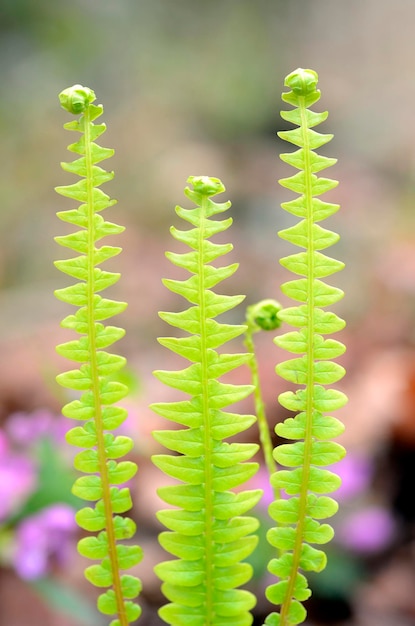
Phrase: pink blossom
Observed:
(367, 530)
(42, 537)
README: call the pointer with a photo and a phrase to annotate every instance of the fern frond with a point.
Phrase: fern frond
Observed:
(297, 518)
(208, 531)
(94, 379)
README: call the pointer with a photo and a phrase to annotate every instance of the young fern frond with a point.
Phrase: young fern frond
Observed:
(261, 316)
(208, 532)
(96, 407)
(310, 430)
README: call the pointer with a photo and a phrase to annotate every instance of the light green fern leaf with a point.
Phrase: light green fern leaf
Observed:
(96, 408)
(297, 519)
(208, 532)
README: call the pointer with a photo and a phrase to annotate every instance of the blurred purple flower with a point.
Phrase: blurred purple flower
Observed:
(44, 537)
(17, 479)
(356, 474)
(24, 429)
(367, 531)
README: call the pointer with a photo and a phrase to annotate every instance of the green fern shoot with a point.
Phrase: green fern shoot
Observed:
(208, 532)
(96, 408)
(310, 431)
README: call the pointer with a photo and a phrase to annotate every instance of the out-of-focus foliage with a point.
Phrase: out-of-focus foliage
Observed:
(194, 87)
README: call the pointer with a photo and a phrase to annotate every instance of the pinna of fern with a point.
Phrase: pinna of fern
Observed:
(207, 530)
(96, 409)
(306, 481)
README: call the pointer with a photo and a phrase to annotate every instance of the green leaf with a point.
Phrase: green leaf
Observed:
(319, 481)
(186, 522)
(312, 559)
(312, 138)
(120, 499)
(107, 603)
(185, 547)
(324, 322)
(189, 441)
(276, 593)
(99, 575)
(76, 379)
(228, 455)
(112, 391)
(94, 547)
(226, 424)
(121, 472)
(306, 181)
(87, 461)
(300, 372)
(317, 533)
(88, 487)
(234, 529)
(297, 159)
(131, 587)
(230, 504)
(322, 453)
(116, 447)
(322, 265)
(323, 400)
(323, 295)
(189, 497)
(186, 412)
(90, 519)
(183, 468)
(230, 477)
(113, 417)
(221, 394)
(124, 527)
(323, 426)
(185, 573)
(320, 210)
(81, 437)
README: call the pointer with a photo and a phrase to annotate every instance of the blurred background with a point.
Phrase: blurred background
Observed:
(194, 88)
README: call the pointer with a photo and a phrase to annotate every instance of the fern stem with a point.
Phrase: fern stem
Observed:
(208, 492)
(102, 456)
(263, 426)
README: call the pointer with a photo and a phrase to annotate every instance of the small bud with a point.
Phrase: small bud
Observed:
(302, 82)
(264, 314)
(76, 99)
(206, 185)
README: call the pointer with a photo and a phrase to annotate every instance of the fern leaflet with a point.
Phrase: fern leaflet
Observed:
(310, 430)
(96, 407)
(208, 532)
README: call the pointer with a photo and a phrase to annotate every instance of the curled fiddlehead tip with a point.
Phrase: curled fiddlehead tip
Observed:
(206, 185)
(264, 315)
(75, 99)
(302, 82)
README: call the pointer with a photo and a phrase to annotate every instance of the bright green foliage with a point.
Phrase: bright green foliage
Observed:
(94, 378)
(297, 519)
(208, 532)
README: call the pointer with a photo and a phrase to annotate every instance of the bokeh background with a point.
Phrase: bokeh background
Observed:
(194, 88)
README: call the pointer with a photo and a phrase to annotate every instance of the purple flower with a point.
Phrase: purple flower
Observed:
(24, 429)
(367, 531)
(43, 537)
(17, 479)
(355, 473)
